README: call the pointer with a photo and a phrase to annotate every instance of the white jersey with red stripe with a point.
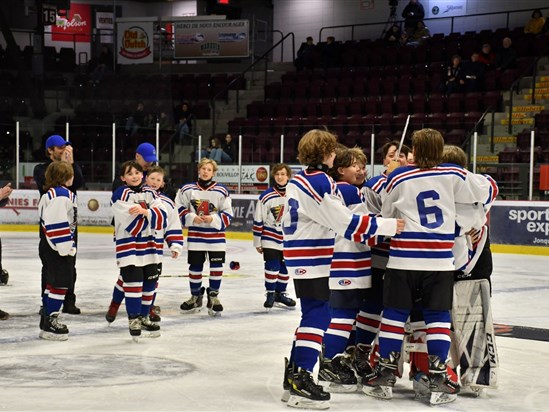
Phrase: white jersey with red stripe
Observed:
(173, 235)
(315, 214)
(351, 264)
(57, 209)
(427, 200)
(139, 238)
(267, 228)
(193, 200)
(373, 191)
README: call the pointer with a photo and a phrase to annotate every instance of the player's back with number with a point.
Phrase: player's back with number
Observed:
(426, 198)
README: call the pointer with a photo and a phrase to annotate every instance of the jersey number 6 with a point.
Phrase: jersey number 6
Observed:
(429, 216)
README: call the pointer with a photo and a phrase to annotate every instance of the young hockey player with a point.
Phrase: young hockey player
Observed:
(349, 280)
(268, 237)
(57, 210)
(315, 213)
(173, 236)
(140, 219)
(421, 263)
(205, 208)
(471, 313)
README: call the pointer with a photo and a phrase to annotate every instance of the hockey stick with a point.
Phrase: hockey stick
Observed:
(403, 136)
(393, 164)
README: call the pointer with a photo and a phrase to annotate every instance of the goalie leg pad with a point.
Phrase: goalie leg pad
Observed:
(474, 334)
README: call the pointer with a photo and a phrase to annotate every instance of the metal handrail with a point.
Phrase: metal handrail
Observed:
(452, 19)
(263, 57)
(475, 127)
(281, 36)
(515, 86)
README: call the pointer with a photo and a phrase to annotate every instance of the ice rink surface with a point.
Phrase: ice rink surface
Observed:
(230, 363)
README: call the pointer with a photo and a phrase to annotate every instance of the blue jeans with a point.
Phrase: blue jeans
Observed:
(220, 156)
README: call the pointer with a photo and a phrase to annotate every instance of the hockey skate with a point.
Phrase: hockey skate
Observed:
(53, 329)
(149, 329)
(135, 328)
(305, 393)
(380, 385)
(289, 370)
(214, 304)
(110, 316)
(154, 314)
(269, 301)
(194, 303)
(420, 384)
(283, 301)
(360, 362)
(4, 277)
(443, 386)
(335, 376)
(5, 315)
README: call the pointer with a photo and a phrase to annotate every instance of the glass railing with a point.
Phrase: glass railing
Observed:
(100, 149)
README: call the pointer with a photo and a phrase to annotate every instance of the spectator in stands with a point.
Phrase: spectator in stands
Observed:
(506, 57)
(454, 76)
(412, 14)
(403, 41)
(545, 28)
(305, 56)
(103, 65)
(229, 147)
(393, 35)
(420, 34)
(330, 53)
(487, 56)
(163, 120)
(136, 119)
(473, 74)
(221, 152)
(536, 23)
(183, 122)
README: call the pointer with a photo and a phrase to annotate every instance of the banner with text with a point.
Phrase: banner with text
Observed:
(446, 8)
(211, 39)
(254, 179)
(75, 26)
(135, 42)
(94, 208)
(520, 223)
(104, 23)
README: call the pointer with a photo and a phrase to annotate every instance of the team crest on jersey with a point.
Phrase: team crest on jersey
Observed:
(278, 212)
(203, 207)
(344, 282)
(300, 271)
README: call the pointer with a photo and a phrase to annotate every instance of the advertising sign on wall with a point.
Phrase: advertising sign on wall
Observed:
(104, 23)
(446, 8)
(135, 42)
(75, 26)
(211, 39)
(520, 223)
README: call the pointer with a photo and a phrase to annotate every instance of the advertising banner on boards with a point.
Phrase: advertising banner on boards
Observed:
(520, 223)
